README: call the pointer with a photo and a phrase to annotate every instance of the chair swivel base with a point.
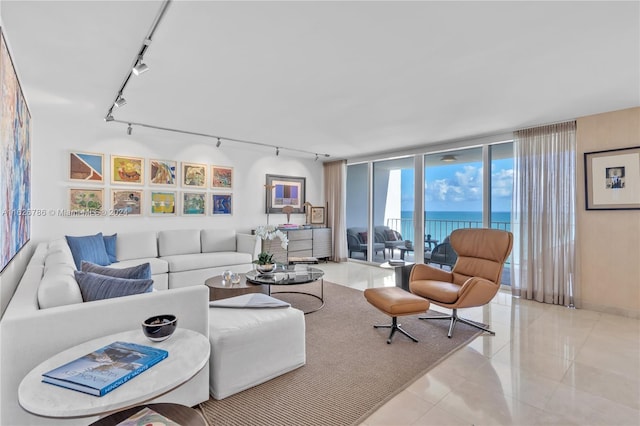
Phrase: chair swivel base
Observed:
(395, 327)
(455, 318)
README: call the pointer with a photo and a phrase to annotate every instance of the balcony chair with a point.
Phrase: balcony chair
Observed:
(474, 279)
(357, 241)
(442, 254)
(391, 238)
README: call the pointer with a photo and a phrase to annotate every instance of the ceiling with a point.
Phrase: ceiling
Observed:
(342, 78)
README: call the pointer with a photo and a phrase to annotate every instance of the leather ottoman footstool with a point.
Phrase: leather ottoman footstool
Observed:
(252, 345)
(395, 302)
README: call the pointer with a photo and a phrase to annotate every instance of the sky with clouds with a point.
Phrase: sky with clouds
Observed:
(458, 187)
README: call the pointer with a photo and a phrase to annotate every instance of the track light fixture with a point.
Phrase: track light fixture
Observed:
(129, 129)
(218, 139)
(316, 158)
(120, 102)
(140, 68)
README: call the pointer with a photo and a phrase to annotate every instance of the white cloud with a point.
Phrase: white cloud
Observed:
(502, 183)
(464, 185)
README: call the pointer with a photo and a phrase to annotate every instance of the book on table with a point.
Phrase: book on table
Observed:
(146, 417)
(104, 369)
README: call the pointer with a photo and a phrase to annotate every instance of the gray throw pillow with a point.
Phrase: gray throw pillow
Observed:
(98, 287)
(139, 272)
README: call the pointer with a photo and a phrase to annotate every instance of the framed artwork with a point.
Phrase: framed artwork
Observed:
(86, 166)
(194, 175)
(126, 202)
(162, 172)
(15, 161)
(221, 204)
(285, 191)
(317, 215)
(127, 170)
(221, 177)
(163, 203)
(194, 203)
(86, 202)
(612, 179)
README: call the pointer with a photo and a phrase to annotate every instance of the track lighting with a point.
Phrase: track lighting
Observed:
(130, 124)
(120, 102)
(140, 67)
(316, 158)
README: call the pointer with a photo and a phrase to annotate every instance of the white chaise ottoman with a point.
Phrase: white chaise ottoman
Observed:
(252, 345)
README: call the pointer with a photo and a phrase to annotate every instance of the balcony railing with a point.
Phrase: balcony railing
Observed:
(439, 229)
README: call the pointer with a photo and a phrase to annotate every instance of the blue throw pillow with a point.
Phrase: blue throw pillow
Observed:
(90, 248)
(139, 272)
(110, 246)
(98, 287)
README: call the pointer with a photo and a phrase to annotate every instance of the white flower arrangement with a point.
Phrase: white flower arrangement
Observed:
(271, 232)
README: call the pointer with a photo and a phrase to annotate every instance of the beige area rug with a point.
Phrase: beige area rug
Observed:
(350, 371)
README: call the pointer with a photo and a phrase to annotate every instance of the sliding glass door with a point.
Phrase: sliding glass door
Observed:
(393, 207)
(453, 191)
(464, 188)
(357, 207)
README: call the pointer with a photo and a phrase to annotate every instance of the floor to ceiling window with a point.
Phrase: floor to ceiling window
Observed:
(357, 207)
(452, 199)
(458, 192)
(501, 185)
(393, 206)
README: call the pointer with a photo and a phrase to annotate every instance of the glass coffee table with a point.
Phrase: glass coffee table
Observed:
(284, 275)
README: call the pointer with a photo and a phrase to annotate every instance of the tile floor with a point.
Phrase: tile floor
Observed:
(546, 365)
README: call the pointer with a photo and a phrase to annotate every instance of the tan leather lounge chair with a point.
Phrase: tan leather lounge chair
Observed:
(474, 279)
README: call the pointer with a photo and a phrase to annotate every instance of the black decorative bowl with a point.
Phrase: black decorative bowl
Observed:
(159, 327)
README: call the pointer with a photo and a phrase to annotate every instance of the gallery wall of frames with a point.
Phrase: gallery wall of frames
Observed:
(146, 186)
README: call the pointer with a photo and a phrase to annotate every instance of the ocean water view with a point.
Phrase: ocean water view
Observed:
(439, 224)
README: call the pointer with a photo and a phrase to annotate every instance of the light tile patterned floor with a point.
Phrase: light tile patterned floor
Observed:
(547, 365)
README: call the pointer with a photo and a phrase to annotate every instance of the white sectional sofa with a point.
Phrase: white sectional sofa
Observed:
(30, 334)
(47, 315)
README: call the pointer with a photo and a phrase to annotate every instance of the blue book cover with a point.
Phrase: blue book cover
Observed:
(104, 369)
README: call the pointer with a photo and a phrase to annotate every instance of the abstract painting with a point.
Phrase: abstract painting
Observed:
(126, 202)
(85, 166)
(163, 203)
(129, 170)
(221, 204)
(194, 175)
(285, 191)
(221, 177)
(194, 203)
(15, 161)
(162, 172)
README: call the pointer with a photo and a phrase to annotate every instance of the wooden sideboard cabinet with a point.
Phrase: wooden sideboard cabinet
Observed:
(314, 242)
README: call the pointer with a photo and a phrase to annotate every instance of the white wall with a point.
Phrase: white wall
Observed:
(52, 144)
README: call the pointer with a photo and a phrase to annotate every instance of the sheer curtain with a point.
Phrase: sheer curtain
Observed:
(335, 193)
(543, 221)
